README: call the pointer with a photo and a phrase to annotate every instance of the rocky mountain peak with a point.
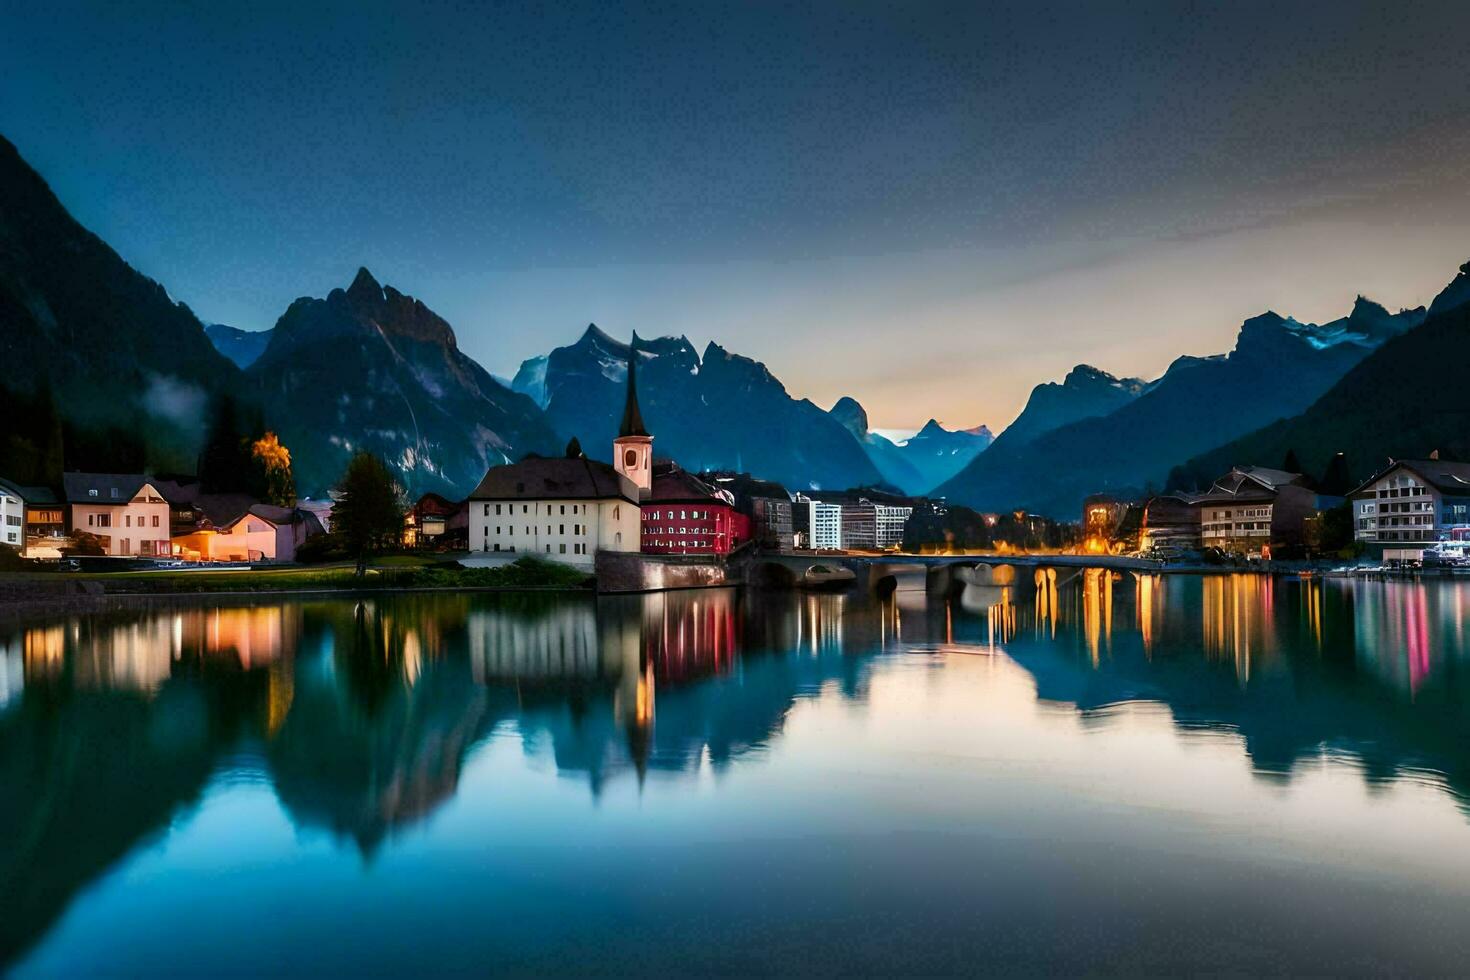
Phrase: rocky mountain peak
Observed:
(852, 415)
(364, 289)
(1457, 293)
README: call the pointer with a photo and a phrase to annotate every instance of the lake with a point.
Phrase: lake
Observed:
(1115, 774)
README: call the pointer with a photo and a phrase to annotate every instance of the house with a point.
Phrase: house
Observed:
(12, 517)
(124, 513)
(1410, 504)
(435, 521)
(232, 526)
(683, 515)
(1256, 510)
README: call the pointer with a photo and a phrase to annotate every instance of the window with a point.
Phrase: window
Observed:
(561, 528)
(617, 511)
(548, 549)
(563, 549)
(155, 520)
(487, 510)
(630, 458)
(563, 508)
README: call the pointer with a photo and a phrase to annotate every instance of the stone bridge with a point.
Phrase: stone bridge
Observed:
(943, 574)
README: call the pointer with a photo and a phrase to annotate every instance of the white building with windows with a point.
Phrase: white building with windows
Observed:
(824, 524)
(565, 509)
(12, 517)
(891, 520)
(1410, 505)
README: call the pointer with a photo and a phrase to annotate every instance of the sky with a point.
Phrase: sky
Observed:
(928, 207)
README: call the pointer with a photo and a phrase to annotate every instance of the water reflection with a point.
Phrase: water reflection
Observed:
(363, 716)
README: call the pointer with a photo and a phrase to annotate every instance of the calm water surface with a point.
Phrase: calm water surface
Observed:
(1116, 775)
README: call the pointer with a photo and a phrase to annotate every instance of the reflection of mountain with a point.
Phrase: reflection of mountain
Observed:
(1298, 667)
(363, 715)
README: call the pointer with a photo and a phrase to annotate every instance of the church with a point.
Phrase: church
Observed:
(568, 508)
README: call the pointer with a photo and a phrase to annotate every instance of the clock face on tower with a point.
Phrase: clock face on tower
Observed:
(630, 458)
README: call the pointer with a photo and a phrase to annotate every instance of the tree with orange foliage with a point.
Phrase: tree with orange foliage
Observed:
(272, 462)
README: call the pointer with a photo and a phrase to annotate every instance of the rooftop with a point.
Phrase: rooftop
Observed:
(555, 478)
(1444, 475)
(102, 488)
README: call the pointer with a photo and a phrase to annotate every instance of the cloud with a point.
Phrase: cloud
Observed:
(175, 401)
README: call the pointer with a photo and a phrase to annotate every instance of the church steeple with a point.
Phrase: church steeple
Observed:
(633, 448)
(632, 417)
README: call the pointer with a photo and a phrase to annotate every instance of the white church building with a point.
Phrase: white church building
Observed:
(571, 507)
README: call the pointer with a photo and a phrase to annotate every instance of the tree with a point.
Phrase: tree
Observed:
(225, 464)
(1337, 480)
(1291, 464)
(368, 514)
(271, 463)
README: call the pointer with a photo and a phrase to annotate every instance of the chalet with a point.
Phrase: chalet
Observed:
(1255, 510)
(232, 526)
(1410, 504)
(123, 513)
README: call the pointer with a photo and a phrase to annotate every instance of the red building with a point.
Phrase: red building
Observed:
(683, 515)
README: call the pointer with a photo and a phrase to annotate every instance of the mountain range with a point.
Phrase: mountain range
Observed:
(1278, 368)
(370, 367)
(923, 461)
(714, 410)
(1401, 402)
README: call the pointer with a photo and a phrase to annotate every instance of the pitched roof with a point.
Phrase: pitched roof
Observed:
(31, 495)
(1249, 483)
(102, 488)
(556, 478)
(632, 424)
(1444, 475)
(672, 485)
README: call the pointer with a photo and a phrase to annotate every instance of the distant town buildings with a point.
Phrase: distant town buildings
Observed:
(1411, 504)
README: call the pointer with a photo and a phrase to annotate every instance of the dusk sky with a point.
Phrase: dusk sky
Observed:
(929, 208)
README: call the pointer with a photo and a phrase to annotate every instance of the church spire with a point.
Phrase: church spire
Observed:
(632, 417)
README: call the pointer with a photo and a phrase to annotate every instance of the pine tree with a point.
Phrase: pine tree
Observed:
(368, 514)
(1291, 464)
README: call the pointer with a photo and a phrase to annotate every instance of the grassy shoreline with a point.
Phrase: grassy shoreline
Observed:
(392, 574)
